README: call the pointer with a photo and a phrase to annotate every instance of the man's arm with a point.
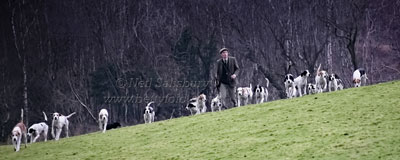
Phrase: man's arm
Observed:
(236, 67)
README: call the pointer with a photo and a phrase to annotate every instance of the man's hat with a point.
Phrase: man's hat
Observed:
(223, 49)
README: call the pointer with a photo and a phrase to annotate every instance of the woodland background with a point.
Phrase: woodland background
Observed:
(69, 56)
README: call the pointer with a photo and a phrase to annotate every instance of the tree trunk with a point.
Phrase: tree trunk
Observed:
(329, 33)
(26, 109)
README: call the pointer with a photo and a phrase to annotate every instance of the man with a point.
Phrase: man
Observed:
(227, 70)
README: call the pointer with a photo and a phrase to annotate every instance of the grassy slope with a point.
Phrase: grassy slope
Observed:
(357, 123)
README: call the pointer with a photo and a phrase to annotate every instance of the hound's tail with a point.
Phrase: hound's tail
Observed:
(150, 103)
(71, 114)
(319, 67)
(267, 82)
(45, 117)
(22, 115)
(251, 91)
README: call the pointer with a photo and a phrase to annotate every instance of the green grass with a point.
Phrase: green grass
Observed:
(356, 123)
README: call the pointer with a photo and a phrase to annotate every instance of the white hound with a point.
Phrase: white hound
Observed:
(201, 103)
(321, 80)
(18, 131)
(60, 121)
(359, 77)
(103, 119)
(300, 83)
(244, 94)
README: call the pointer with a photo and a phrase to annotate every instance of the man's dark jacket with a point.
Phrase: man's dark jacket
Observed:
(224, 72)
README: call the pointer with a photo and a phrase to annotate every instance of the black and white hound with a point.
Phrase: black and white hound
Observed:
(260, 93)
(312, 89)
(360, 77)
(244, 94)
(39, 129)
(289, 85)
(197, 105)
(60, 121)
(216, 103)
(191, 106)
(148, 113)
(18, 132)
(321, 80)
(300, 83)
(103, 119)
(335, 82)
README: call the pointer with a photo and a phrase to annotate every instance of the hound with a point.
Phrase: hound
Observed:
(216, 103)
(340, 85)
(320, 80)
(38, 129)
(18, 131)
(289, 85)
(59, 121)
(103, 119)
(312, 89)
(113, 125)
(243, 95)
(300, 83)
(149, 113)
(261, 93)
(191, 106)
(335, 82)
(359, 77)
(201, 103)
(197, 104)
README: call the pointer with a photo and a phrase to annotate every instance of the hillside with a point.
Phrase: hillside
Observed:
(356, 123)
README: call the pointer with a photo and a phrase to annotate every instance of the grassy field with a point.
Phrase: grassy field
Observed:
(357, 123)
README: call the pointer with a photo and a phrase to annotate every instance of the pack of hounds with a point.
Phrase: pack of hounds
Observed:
(323, 81)
(60, 122)
(245, 95)
(294, 87)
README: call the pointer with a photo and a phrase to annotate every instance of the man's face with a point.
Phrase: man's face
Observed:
(224, 54)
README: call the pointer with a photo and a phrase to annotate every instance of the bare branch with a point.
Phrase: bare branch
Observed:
(8, 115)
(398, 71)
(77, 97)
